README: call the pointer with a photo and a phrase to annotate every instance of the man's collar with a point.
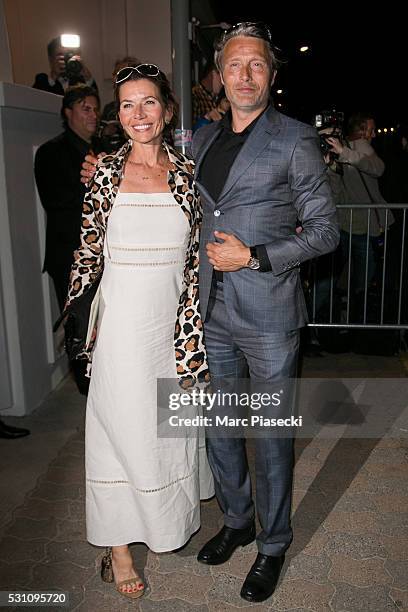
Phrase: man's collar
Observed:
(79, 142)
(226, 123)
(61, 79)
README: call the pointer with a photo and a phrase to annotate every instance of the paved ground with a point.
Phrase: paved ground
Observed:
(350, 551)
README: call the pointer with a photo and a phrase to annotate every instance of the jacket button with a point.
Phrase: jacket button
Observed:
(217, 213)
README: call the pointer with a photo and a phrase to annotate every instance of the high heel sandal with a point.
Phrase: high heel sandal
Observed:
(107, 576)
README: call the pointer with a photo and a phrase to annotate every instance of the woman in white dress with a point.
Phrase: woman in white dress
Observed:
(140, 227)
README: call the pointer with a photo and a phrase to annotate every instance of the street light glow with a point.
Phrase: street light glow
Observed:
(304, 49)
(279, 91)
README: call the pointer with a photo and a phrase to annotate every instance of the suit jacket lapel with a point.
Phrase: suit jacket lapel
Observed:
(267, 126)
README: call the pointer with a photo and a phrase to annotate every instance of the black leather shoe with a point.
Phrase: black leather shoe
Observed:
(9, 432)
(262, 578)
(220, 548)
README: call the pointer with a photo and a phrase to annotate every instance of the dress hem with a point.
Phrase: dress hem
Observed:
(188, 535)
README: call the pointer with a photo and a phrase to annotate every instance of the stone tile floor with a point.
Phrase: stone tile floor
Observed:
(350, 518)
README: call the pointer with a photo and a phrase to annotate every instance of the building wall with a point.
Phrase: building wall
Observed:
(32, 359)
(108, 30)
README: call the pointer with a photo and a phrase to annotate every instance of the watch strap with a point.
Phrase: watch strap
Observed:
(254, 252)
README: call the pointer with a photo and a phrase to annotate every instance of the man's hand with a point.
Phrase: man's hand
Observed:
(85, 72)
(336, 146)
(230, 255)
(89, 167)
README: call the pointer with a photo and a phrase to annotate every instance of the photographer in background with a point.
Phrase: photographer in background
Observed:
(354, 174)
(66, 69)
(317, 273)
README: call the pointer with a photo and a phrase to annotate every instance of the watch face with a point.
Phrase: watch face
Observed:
(254, 263)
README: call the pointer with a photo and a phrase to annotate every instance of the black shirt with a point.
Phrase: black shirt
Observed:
(217, 163)
(57, 169)
(219, 158)
(42, 82)
(46, 83)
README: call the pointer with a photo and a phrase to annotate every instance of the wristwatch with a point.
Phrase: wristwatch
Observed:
(253, 262)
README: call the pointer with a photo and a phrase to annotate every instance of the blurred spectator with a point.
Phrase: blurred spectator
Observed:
(58, 80)
(205, 93)
(354, 177)
(215, 114)
(57, 172)
(394, 182)
(394, 186)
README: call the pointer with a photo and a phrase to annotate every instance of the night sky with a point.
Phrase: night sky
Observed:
(357, 58)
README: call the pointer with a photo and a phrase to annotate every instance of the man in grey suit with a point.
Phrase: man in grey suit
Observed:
(258, 172)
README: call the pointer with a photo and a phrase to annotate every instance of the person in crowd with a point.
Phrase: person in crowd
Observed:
(205, 93)
(258, 171)
(394, 182)
(57, 166)
(57, 81)
(215, 114)
(140, 487)
(354, 176)
(394, 187)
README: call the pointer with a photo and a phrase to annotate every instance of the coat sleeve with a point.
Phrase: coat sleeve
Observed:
(313, 201)
(364, 158)
(88, 258)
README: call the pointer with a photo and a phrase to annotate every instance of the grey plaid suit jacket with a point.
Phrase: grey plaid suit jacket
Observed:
(278, 177)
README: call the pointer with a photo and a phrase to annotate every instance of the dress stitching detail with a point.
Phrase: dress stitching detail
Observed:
(134, 204)
(110, 482)
(120, 248)
(153, 263)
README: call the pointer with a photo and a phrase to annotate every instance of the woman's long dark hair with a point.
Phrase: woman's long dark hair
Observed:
(167, 97)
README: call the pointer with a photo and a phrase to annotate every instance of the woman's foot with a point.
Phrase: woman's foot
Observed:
(127, 580)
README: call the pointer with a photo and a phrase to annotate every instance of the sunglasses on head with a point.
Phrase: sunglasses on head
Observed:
(147, 70)
(263, 29)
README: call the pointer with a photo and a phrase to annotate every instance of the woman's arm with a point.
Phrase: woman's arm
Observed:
(88, 258)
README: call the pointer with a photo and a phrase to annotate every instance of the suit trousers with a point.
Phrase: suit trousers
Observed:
(60, 279)
(78, 366)
(269, 357)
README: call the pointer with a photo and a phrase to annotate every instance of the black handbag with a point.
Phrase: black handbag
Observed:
(76, 321)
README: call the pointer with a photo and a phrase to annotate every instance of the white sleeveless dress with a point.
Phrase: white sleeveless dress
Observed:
(140, 488)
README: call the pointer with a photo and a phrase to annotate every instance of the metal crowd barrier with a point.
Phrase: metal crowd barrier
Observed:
(326, 290)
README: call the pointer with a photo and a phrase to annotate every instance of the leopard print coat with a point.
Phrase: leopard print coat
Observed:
(191, 360)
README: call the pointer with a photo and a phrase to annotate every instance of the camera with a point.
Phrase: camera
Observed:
(329, 119)
(110, 137)
(332, 122)
(73, 68)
